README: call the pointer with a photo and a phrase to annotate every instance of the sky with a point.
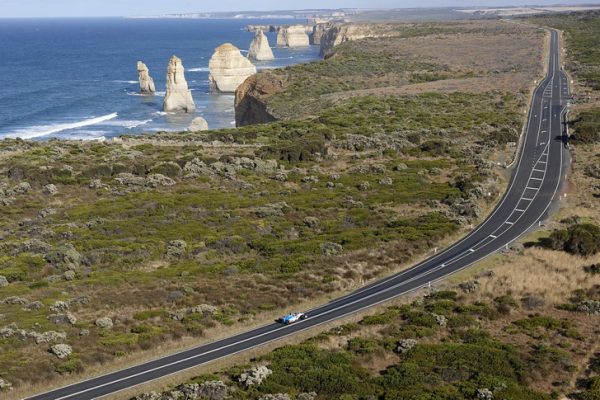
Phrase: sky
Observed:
(93, 8)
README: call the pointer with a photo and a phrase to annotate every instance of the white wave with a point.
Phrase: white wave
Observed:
(125, 81)
(87, 138)
(44, 130)
(129, 124)
(199, 69)
(159, 94)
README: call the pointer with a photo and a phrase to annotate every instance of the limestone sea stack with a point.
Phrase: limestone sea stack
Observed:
(178, 97)
(146, 81)
(292, 36)
(229, 68)
(259, 48)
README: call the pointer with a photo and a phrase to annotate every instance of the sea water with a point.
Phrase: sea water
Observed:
(77, 78)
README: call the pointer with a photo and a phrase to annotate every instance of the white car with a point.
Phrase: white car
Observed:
(291, 318)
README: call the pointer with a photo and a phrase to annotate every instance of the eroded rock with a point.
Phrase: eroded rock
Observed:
(178, 97)
(229, 68)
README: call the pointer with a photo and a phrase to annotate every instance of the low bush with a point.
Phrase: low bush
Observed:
(580, 239)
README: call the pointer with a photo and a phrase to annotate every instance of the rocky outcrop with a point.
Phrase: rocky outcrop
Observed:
(259, 48)
(198, 124)
(317, 33)
(229, 68)
(61, 350)
(250, 99)
(178, 97)
(104, 323)
(254, 376)
(293, 36)
(337, 34)
(146, 81)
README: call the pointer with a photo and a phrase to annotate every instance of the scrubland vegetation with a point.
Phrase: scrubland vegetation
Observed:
(525, 329)
(179, 235)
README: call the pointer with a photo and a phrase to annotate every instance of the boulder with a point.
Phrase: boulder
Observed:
(65, 257)
(156, 180)
(331, 249)
(146, 81)
(59, 306)
(178, 97)
(259, 48)
(50, 189)
(254, 376)
(15, 300)
(307, 396)
(104, 323)
(49, 336)
(591, 307)
(292, 36)
(276, 396)
(485, 394)
(3, 281)
(61, 350)
(312, 222)
(229, 68)
(21, 188)
(66, 318)
(405, 345)
(198, 124)
(5, 385)
(387, 181)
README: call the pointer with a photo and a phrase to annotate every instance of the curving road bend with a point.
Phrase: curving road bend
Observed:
(541, 164)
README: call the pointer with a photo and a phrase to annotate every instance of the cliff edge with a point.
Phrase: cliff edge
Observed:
(251, 99)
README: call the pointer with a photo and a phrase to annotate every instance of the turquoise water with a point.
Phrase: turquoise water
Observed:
(77, 78)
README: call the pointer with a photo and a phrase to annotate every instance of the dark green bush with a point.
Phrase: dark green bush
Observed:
(581, 239)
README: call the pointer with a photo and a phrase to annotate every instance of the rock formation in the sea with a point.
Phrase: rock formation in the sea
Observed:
(264, 28)
(318, 32)
(146, 81)
(250, 99)
(259, 48)
(178, 97)
(338, 34)
(293, 36)
(198, 124)
(229, 68)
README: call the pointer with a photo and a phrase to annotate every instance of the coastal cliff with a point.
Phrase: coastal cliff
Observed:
(250, 99)
(293, 36)
(338, 34)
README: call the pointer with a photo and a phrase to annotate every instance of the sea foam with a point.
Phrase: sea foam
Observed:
(44, 130)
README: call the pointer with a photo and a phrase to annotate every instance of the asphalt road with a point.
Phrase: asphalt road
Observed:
(534, 187)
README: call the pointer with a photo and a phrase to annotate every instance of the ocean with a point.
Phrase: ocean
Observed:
(77, 79)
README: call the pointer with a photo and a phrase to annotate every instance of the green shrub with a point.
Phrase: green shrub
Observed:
(73, 364)
(580, 239)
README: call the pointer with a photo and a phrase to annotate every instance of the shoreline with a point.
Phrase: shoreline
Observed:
(64, 105)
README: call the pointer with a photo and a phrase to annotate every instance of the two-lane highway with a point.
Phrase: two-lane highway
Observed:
(533, 188)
